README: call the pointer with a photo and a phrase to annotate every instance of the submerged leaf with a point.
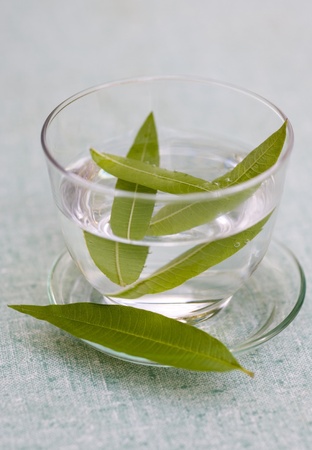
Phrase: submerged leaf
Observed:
(177, 217)
(123, 263)
(191, 263)
(139, 333)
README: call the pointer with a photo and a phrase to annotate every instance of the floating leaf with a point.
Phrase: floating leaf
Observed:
(123, 263)
(139, 333)
(191, 263)
(175, 218)
(151, 176)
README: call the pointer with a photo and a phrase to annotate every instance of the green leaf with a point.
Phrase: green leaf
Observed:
(175, 218)
(123, 263)
(130, 217)
(191, 263)
(256, 162)
(139, 333)
(151, 176)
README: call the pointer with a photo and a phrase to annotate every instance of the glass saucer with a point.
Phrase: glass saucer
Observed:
(261, 309)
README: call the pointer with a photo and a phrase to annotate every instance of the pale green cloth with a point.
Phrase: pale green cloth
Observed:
(59, 394)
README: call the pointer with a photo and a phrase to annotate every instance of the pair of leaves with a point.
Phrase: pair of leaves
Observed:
(177, 217)
(139, 333)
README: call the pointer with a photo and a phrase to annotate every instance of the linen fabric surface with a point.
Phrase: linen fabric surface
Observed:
(58, 393)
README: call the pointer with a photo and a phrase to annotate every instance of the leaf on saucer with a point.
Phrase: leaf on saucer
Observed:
(139, 333)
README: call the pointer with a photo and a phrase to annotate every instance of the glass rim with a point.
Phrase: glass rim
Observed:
(77, 180)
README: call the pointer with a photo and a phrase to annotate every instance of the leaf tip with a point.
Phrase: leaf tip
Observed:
(93, 151)
(151, 119)
(283, 128)
(20, 308)
(14, 307)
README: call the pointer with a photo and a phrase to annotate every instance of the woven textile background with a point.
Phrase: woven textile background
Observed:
(56, 392)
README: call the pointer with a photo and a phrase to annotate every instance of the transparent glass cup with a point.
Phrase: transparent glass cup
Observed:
(193, 266)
